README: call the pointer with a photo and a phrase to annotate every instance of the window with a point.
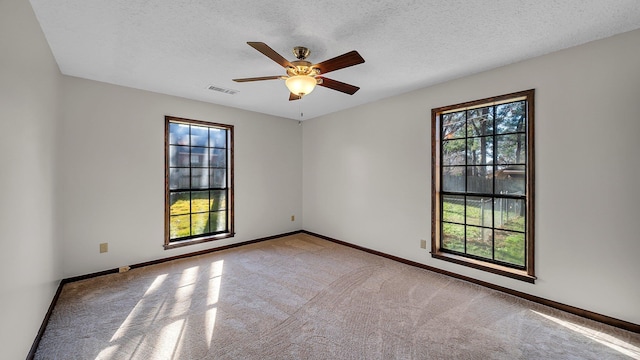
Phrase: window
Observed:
(482, 185)
(198, 181)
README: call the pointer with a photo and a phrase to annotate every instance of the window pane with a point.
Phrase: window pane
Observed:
(179, 134)
(199, 157)
(479, 211)
(509, 214)
(453, 208)
(178, 155)
(179, 203)
(199, 135)
(200, 201)
(479, 179)
(179, 179)
(200, 223)
(218, 221)
(453, 125)
(480, 151)
(217, 138)
(453, 152)
(511, 117)
(509, 247)
(453, 237)
(218, 199)
(479, 242)
(512, 149)
(453, 178)
(510, 180)
(199, 178)
(480, 121)
(179, 226)
(218, 158)
(218, 178)
(484, 192)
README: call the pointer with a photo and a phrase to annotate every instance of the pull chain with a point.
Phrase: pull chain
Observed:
(301, 114)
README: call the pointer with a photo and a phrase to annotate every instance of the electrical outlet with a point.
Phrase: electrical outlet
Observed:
(123, 269)
(423, 244)
(293, 218)
(104, 247)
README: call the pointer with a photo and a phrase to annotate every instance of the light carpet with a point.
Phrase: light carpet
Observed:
(301, 297)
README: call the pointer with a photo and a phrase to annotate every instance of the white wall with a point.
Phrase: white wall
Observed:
(367, 171)
(112, 166)
(29, 260)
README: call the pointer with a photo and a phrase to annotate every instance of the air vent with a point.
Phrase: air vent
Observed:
(222, 90)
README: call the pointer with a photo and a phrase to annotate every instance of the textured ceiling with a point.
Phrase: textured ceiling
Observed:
(181, 47)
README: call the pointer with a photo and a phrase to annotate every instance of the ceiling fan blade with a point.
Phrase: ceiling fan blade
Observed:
(270, 53)
(293, 96)
(258, 78)
(339, 86)
(340, 62)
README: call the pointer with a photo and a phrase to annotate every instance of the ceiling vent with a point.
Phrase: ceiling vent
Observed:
(222, 90)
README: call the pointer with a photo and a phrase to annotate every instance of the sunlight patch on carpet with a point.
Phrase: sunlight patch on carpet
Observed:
(214, 282)
(108, 353)
(134, 313)
(155, 285)
(167, 342)
(213, 293)
(210, 322)
(184, 292)
(614, 343)
(189, 276)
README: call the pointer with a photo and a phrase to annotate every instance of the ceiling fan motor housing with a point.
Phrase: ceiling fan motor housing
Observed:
(301, 52)
(302, 67)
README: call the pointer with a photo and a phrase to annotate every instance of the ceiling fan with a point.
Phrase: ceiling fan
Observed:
(303, 76)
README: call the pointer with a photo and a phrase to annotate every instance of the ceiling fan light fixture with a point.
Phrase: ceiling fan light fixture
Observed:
(302, 75)
(301, 84)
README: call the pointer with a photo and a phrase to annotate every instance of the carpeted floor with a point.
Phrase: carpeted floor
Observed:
(300, 297)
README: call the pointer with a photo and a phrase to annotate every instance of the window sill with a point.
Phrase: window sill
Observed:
(177, 244)
(521, 275)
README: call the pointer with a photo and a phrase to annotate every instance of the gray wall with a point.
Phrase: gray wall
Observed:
(30, 266)
(367, 173)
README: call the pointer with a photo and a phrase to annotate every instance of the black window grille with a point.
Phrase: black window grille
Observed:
(483, 177)
(199, 178)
